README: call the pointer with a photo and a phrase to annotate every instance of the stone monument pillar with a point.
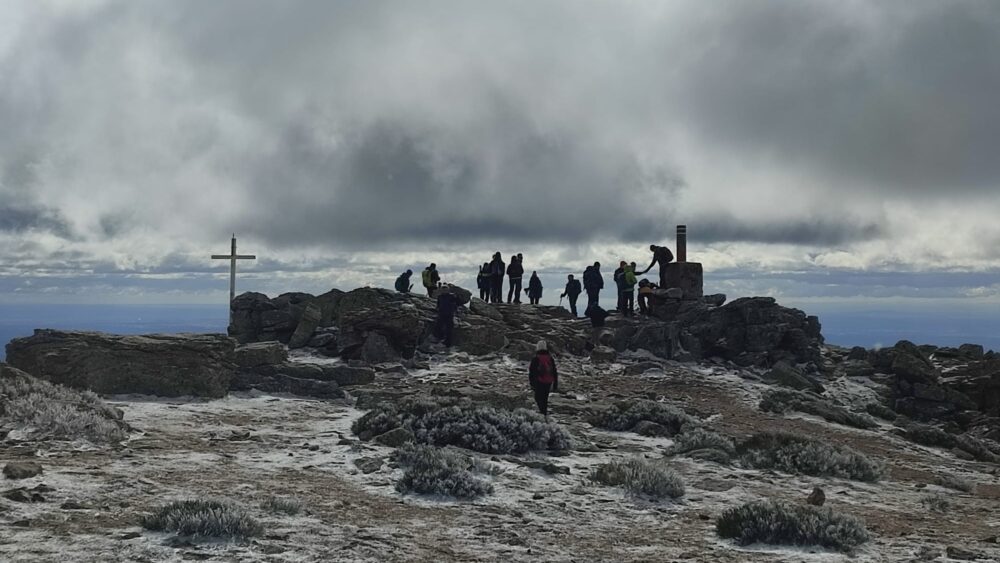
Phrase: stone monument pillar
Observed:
(684, 275)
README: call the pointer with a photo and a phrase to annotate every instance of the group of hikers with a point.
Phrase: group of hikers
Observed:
(542, 374)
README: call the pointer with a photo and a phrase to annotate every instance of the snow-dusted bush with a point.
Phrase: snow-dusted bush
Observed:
(627, 414)
(955, 482)
(640, 476)
(782, 401)
(936, 503)
(881, 411)
(55, 411)
(928, 435)
(439, 471)
(467, 425)
(979, 449)
(283, 505)
(800, 454)
(791, 524)
(701, 439)
(203, 519)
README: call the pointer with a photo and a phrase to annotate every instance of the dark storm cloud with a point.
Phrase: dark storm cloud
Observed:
(813, 231)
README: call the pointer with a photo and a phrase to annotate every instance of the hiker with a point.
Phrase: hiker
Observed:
(619, 276)
(447, 304)
(628, 289)
(543, 377)
(483, 282)
(534, 289)
(645, 292)
(661, 256)
(593, 282)
(597, 315)
(572, 291)
(496, 279)
(430, 278)
(403, 284)
(514, 273)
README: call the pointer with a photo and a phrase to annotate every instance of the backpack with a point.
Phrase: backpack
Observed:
(629, 278)
(401, 284)
(546, 373)
(425, 277)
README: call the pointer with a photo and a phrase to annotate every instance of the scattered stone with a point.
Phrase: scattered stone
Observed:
(817, 497)
(963, 554)
(650, 428)
(642, 367)
(715, 485)
(22, 470)
(395, 437)
(603, 355)
(714, 300)
(710, 454)
(546, 466)
(73, 505)
(785, 375)
(378, 350)
(311, 316)
(260, 353)
(130, 536)
(369, 465)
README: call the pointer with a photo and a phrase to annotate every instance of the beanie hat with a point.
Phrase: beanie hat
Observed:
(541, 346)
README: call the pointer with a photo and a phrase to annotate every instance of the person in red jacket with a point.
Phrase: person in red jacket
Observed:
(543, 377)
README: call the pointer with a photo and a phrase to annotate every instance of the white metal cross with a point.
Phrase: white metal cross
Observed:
(233, 257)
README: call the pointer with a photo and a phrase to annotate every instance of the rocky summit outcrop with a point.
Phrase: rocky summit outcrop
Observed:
(167, 365)
(381, 326)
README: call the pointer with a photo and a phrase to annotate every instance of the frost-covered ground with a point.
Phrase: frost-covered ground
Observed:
(248, 447)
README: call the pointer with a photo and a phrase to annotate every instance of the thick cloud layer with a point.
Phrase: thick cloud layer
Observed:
(345, 136)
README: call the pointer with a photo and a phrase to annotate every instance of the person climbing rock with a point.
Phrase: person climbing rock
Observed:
(534, 289)
(661, 256)
(447, 304)
(543, 377)
(403, 284)
(573, 292)
(430, 278)
(597, 316)
(496, 279)
(593, 283)
(515, 271)
(483, 282)
(645, 292)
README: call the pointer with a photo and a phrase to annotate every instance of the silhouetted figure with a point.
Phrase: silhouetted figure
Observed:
(593, 282)
(447, 304)
(430, 278)
(619, 277)
(572, 291)
(483, 282)
(628, 289)
(645, 292)
(661, 256)
(514, 273)
(597, 316)
(496, 279)
(403, 282)
(543, 377)
(534, 289)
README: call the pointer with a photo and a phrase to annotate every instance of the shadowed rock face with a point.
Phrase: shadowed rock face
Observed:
(372, 324)
(167, 365)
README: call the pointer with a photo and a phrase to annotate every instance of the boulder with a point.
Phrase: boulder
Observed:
(642, 367)
(858, 353)
(304, 329)
(650, 428)
(22, 470)
(858, 368)
(479, 307)
(603, 354)
(260, 353)
(166, 365)
(395, 437)
(687, 276)
(788, 376)
(280, 383)
(971, 351)
(714, 300)
(480, 337)
(817, 497)
(378, 350)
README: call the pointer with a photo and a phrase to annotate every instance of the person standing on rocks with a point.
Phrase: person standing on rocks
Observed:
(661, 256)
(543, 377)
(619, 277)
(496, 279)
(628, 289)
(430, 278)
(515, 271)
(597, 316)
(483, 282)
(403, 284)
(573, 292)
(534, 288)
(593, 282)
(447, 304)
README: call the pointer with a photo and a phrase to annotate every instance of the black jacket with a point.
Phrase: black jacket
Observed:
(535, 287)
(515, 269)
(572, 288)
(496, 267)
(596, 315)
(447, 304)
(533, 371)
(619, 277)
(483, 280)
(592, 279)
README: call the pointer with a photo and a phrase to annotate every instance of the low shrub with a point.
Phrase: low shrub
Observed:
(203, 519)
(627, 414)
(793, 453)
(936, 503)
(640, 476)
(54, 411)
(928, 435)
(955, 482)
(977, 448)
(879, 410)
(780, 523)
(467, 425)
(782, 401)
(701, 439)
(282, 505)
(437, 471)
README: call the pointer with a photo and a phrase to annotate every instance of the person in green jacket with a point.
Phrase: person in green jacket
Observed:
(628, 289)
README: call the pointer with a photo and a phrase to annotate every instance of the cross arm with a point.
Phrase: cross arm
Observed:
(237, 257)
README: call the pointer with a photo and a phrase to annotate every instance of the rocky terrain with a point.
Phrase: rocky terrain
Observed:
(308, 368)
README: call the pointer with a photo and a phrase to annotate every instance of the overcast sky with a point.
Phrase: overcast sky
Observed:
(823, 149)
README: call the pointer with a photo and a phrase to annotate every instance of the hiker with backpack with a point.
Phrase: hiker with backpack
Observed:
(534, 289)
(403, 284)
(430, 278)
(572, 291)
(496, 279)
(645, 292)
(543, 377)
(593, 283)
(628, 289)
(661, 256)
(515, 271)
(483, 282)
